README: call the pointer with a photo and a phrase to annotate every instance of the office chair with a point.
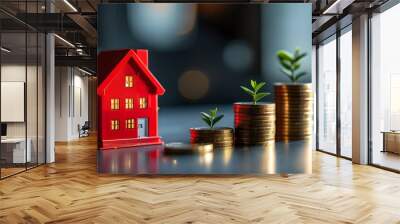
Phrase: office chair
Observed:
(84, 130)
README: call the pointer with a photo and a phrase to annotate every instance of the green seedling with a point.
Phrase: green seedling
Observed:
(212, 118)
(254, 93)
(291, 63)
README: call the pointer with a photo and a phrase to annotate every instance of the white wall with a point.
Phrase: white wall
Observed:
(33, 127)
(71, 102)
(9, 73)
(62, 83)
(16, 73)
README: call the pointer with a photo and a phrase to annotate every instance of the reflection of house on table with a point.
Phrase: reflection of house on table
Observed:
(391, 141)
(128, 100)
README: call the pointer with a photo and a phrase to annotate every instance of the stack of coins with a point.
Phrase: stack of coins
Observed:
(294, 111)
(219, 137)
(254, 123)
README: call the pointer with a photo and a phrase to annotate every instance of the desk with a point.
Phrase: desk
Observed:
(16, 148)
(391, 141)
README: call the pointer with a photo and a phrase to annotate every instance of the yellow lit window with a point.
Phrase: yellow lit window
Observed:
(114, 125)
(129, 103)
(114, 104)
(142, 102)
(129, 124)
(128, 81)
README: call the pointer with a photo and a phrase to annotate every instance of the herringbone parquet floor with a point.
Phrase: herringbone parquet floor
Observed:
(70, 191)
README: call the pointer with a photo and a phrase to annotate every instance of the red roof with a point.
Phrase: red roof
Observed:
(122, 57)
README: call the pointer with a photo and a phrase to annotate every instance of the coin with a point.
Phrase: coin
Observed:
(219, 137)
(254, 123)
(294, 111)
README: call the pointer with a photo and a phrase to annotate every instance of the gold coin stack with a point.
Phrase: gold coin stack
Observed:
(254, 123)
(294, 111)
(220, 137)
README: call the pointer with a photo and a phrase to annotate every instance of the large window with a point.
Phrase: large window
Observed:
(346, 93)
(334, 102)
(385, 89)
(327, 96)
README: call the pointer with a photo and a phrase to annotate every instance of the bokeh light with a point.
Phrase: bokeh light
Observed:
(162, 26)
(238, 55)
(193, 85)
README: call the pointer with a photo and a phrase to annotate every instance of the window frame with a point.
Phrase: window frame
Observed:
(379, 10)
(334, 37)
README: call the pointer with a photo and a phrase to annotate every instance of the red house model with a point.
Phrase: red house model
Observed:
(127, 100)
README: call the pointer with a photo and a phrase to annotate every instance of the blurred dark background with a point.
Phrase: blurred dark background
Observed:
(202, 53)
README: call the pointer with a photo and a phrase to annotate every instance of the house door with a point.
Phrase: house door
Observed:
(142, 127)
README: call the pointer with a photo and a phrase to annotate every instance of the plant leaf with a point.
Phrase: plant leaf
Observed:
(217, 119)
(247, 90)
(253, 84)
(295, 66)
(203, 114)
(284, 55)
(207, 121)
(287, 65)
(297, 77)
(213, 113)
(290, 63)
(259, 86)
(287, 72)
(299, 57)
(259, 96)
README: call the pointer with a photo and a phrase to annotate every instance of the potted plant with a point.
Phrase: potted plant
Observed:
(294, 100)
(218, 136)
(254, 121)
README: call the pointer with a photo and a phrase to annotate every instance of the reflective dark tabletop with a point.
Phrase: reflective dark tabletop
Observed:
(274, 158)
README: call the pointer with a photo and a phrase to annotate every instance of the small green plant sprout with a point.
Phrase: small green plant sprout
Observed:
(255, 94)
(291, 63)
(212, 118)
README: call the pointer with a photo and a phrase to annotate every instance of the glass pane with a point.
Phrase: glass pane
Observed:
(346, 93)
(314, 86)
(13, 86)
(32, 86)
(41, 98)
(327, 96)
(32, 97)
(386, 89)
